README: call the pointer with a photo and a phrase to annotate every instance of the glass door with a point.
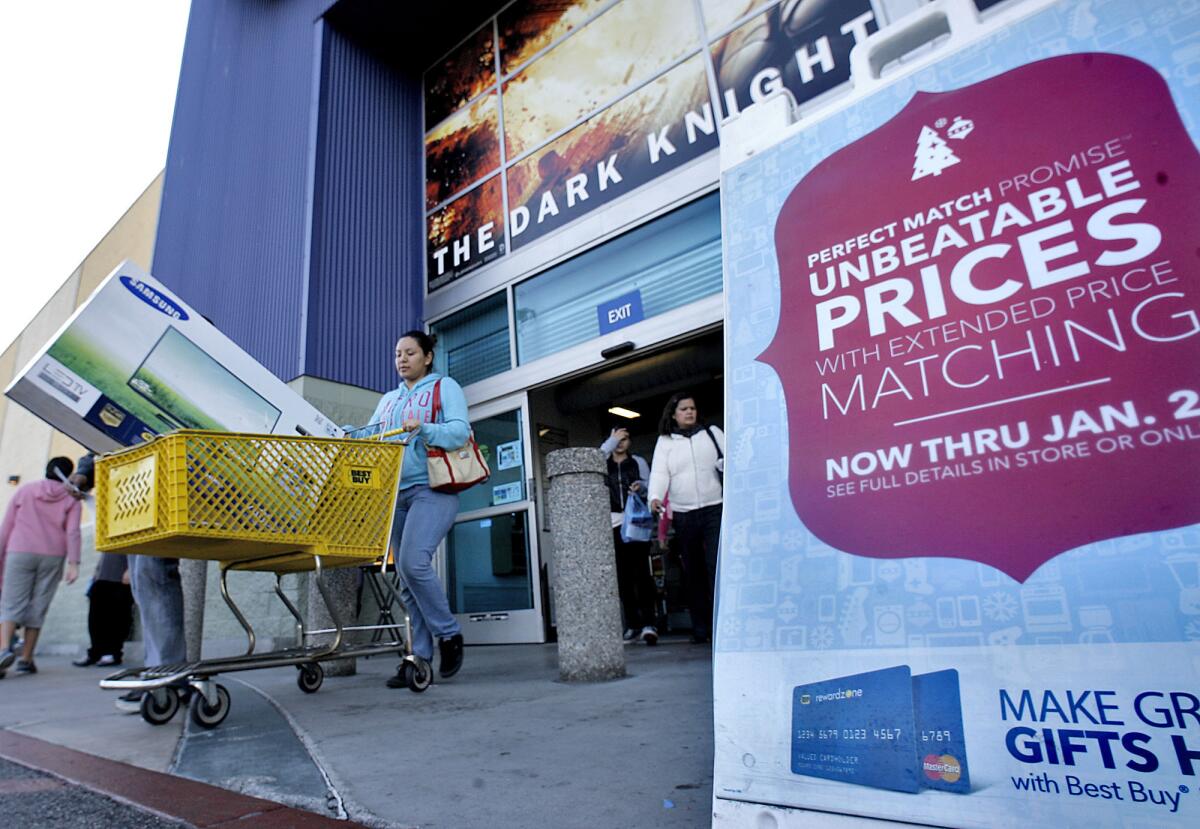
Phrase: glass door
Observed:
(490, 559)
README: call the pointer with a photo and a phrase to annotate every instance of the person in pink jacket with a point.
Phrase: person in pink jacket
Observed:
(39, 535)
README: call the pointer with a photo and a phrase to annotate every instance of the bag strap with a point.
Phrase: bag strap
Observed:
(713, 438)
(437, 400)
(621, 497)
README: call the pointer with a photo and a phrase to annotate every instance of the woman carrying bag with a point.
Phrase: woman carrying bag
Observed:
(689, 461)
(433, 409)
(627, 477)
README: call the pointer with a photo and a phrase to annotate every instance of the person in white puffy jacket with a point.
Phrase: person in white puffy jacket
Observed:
(688, 464)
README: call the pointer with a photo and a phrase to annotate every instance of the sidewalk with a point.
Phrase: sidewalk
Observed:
(503, 744)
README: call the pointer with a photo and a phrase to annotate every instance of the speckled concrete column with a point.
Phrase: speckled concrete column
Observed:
(193, 578)
(343, 590)
(585, 586)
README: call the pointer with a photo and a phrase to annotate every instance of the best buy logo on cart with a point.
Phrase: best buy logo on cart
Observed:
(362, 477)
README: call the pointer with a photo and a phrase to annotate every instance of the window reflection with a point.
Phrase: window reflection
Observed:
(488, 565)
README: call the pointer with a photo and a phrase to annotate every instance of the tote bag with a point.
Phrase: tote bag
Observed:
(453, 470)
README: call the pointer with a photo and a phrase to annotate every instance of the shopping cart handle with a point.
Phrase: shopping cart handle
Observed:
(381, 435)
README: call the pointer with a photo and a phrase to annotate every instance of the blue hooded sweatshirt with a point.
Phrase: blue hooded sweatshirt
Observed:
(450, 430)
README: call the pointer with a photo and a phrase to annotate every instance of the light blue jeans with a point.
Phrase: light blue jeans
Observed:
(159, 596)
(423, 517)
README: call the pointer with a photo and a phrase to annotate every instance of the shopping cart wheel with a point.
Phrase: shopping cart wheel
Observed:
(210, 716)
(159, 705)
(310, 677)
(417, 675)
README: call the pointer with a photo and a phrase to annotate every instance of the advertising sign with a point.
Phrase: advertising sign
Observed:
(960, 565)
(135, 361)
(595, 98)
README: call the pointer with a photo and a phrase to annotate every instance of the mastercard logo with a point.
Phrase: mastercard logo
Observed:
(942, 767)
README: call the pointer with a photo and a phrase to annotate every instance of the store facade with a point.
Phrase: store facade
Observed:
(536, 181)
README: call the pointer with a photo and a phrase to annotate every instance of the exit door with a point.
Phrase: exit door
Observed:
(490, 557)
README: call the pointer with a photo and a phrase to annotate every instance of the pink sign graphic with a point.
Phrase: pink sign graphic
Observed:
(989, 340)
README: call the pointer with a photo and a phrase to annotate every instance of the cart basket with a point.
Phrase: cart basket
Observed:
(251, 502)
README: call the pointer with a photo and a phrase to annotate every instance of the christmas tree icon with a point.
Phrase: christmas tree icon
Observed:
(933, 155)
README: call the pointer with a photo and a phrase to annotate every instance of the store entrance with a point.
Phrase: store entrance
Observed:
(583, 410)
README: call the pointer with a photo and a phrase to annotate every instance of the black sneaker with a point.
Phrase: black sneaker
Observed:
(452, 655)
(397, 681)
(84, 661)
(25, 667)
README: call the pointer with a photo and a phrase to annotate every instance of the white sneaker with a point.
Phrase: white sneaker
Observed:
(629, 635)
(130, 703)
(650, 635)
(107, 660)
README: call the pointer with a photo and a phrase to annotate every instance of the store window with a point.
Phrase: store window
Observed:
(665, 264)
(473, 343)
(499, 439)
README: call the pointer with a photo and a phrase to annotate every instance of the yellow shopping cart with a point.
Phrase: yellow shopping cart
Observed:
(254, 502)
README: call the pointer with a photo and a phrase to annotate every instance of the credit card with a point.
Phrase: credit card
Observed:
(941, 747)
(858, 729)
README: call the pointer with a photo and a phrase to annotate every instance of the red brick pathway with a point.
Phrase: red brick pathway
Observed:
(194, 803)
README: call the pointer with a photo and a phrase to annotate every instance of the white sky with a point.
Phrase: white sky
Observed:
(87, 89)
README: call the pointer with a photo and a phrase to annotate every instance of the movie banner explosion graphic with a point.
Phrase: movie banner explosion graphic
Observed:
(596, 98)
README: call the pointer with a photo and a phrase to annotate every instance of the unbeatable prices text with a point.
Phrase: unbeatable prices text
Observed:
(1048, 253)
(1011, 282)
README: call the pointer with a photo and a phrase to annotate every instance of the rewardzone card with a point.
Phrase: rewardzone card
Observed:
(857, 729)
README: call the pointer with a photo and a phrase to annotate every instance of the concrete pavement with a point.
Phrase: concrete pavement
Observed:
(503, 744)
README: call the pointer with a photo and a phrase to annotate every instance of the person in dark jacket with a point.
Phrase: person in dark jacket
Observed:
(635, 585)
(110, 598)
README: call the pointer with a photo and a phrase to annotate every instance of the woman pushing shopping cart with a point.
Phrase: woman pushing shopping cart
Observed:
(287, 504)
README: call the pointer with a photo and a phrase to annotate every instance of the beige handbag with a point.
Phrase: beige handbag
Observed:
(453, 470)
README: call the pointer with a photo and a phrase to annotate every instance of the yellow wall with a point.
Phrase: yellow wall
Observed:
(7, 366)
(26, 443)
(130, 238)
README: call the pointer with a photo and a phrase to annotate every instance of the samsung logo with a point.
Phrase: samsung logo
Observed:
(155, 298)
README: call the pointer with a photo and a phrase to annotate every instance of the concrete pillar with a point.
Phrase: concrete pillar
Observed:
(585, 586)
(193, 577)
(342, 585)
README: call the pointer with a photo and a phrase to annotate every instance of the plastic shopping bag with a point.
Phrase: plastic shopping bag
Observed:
(638, 523)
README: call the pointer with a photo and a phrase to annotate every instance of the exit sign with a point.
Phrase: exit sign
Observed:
(620, 312)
